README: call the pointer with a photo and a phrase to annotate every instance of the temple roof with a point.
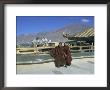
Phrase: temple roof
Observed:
(87, 35)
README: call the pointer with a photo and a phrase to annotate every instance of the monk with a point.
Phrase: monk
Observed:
(68, 54)
(59, 56)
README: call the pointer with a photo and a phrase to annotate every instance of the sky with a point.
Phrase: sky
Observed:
(35, 24)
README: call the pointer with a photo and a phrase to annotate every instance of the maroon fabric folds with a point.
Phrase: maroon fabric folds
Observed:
(68, 54)
(62, 55)
(59, 56)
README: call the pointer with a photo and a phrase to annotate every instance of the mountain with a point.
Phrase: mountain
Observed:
(54, 35)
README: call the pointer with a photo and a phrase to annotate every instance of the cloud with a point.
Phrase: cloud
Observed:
(85, 20)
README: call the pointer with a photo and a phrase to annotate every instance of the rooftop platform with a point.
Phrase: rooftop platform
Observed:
(79, 66)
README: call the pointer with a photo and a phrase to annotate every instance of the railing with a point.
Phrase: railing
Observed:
(46, 48)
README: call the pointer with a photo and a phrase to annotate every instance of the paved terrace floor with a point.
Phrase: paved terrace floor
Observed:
(78, 66)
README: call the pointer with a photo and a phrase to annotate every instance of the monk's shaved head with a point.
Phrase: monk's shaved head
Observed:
(65, 44)
(60, 43)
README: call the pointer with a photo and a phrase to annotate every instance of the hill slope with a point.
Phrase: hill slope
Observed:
(54, 35)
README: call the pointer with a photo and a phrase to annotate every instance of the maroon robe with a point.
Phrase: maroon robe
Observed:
(59, 56)
(68, 54)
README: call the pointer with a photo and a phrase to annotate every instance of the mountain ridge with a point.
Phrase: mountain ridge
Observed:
(56, 35)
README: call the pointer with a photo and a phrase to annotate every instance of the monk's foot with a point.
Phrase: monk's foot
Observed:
(68, 64)
(61, 65)
(58, 66)
(65, 66)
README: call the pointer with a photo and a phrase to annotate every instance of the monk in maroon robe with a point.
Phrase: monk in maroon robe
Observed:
(68, 54)
(59, 56)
